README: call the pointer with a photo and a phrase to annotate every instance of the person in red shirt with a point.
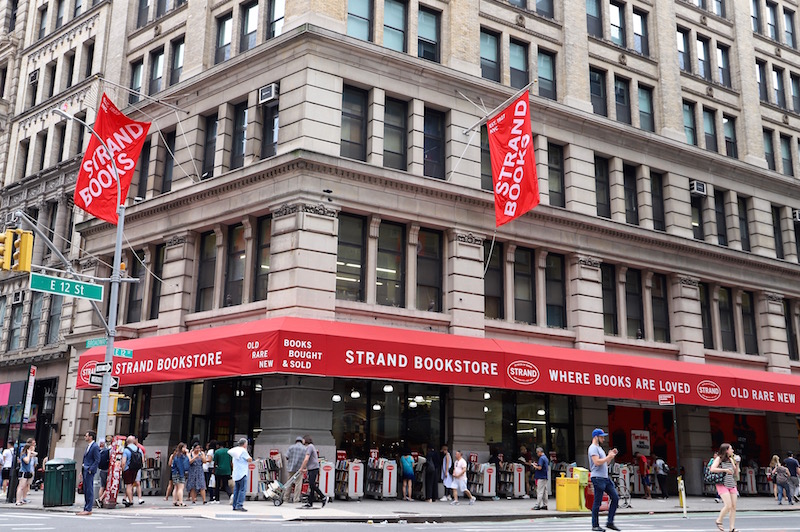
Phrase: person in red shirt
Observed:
(644, 473)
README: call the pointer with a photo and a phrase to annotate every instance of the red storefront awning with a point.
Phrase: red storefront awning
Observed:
(302, 346)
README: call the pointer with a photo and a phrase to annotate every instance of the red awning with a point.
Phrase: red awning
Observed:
(302, 346)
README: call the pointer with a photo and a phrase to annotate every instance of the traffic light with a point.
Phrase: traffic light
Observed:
(6, 240)
(23, 249)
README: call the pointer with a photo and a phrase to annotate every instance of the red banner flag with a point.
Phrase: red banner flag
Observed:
(96, 189)
(516, 187)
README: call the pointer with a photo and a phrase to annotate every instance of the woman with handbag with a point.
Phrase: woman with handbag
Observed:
(724, 469)
(779, 474)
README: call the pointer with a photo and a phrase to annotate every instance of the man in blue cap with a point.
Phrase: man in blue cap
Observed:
(598, 466)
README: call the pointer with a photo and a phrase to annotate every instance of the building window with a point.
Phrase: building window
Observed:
(710, 129)
(224, 35)
(546, 68)
(69, 69)
(719, 213)
(394, 134)
(390, 275)
(12, 15)
(545, 8)
(144, 170)
(683, 50)
(136, 80)
(555, 174)
(156, 70)
(631, 204)
(729, 129)
(209, 146)
(791, 334)
(744, 223)
(617, 21)
(239, 143)
(359, 19)
(262, 258)
(518, 63)
(723, 65)
(788, 28)
(162, 6)
(703, 62)
(755, 15)
(430, 265)
(493, 301)
(660, 301)
(269, 133)
(53, 319)
(428, 34)
(394, 25)
(61, 8)
(657, 197)
(718, 7)
(772, 21)
(169, 162)
(277, 10)
(490, 55)
(177, 61)
(594, 18)
(249, 26)
(61, 132)
(50, 79)
(155, 288)
(777, 233)
(524, 286)
(351, 258)
(434, 144)
(608, 274)
(15, 327)
(780, 92)
(689, 127)
(354, 124)
(769, 151)
(795, 84)
(641, 42)
(597, 85)
(88, 54)
(42, 21)
(556, 291)
(761, 79)
(646, 119)
(622, 99)
(34, 321)
(634, 304)
(234, 274)
(749, 324)
(602, 187)
(136, 290)
(487, 182)
(786, 155)
(698, 231)
(206, 271)
(705, 316)
(142, 13)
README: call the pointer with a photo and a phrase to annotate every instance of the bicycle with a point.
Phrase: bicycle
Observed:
(623, 490)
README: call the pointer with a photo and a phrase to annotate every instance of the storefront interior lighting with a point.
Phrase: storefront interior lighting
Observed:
(485, 409)
(487, 395)
(531, 422)
(376, 407)
(412, 404)
(540, 412)
(388, 388)
(419, 399)
(355, 394)
(336, 398)
(257, 387)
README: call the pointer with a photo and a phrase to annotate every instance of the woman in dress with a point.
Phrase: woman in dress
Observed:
(447, 474)
(180, 467)
(196, 481)
(724, 463)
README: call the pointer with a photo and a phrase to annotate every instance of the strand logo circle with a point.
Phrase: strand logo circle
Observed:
(87, 370)
(523, 372)
(709, 390)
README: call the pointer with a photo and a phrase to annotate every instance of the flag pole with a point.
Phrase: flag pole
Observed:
(485, 119)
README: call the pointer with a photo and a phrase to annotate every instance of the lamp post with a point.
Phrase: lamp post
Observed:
(113, 303)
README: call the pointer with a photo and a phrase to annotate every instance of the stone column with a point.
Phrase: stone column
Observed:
(178, 286)
(710, 217)
(622, 302)
(579, 183)
(616, 186)
(677, 205)
(715, 321)
(465, 283)
(590, 413)
(508, 287)
(461, 37)
(542, 168)
(644, 197)
(250, 225)
(762, 240)
(732, 219)
(220, 265)
(772, 331)
(255, 120)
(416, 137)
(411, 266)
(43, 215)
(586, 303)
(541, 284)
(694, 445)
(371, 282)
(687, 323)
(790, 251)
(662, 20)
(574, 60)
(375, 126)
(322, 13)
(782, 431)
(468, 423)
(738, 321)
(647, 305)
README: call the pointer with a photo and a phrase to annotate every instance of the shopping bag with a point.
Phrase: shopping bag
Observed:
(212, 481)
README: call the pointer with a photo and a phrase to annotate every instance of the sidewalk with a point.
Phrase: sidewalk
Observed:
(395, 510)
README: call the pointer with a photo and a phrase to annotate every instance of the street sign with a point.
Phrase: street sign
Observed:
(96, 342)
(666, 399)
(96, 379)
(26, 412)
(103, 367)
(121, 352)
(66, 287)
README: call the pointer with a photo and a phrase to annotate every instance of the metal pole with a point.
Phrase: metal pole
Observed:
(681, 487)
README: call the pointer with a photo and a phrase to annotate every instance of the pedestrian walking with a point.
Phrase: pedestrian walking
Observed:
(793, 466)
(447, 473)
(196, 481)
(132, 463)
(294, 461)
(222, 472)
(432, 462)
(179, 469)
(540, 469)
(661, 470)
(8, 458)
(598, 466)
(460, 480)
(137, 483)
(311, 466)
(240, 458)
(779, 474)
(91, 461)
(724, 463)
(102, 469)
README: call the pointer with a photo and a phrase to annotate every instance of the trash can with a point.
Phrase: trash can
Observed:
(567, 494)
(59, 482)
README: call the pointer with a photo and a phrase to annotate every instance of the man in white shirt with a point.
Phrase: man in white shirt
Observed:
(460, 479)
(240, 458)
(8, 458)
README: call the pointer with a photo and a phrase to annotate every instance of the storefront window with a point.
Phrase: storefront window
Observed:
(140, 413)
(222, 410)
(524, 286)
(350, 258)
(234, 277)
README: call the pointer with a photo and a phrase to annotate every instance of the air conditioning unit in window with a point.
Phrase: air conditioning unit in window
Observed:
(33, 77)
(796, 215)
(698, 188)
(268, 93)
(17, 297)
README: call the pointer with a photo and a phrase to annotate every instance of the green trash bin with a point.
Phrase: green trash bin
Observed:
(59, 482)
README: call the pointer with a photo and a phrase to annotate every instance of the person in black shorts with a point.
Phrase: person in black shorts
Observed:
(102, 468)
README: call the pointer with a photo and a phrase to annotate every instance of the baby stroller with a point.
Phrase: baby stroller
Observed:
(276, 490)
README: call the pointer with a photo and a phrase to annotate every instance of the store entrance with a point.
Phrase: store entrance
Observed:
(223, 410)
(387, 416)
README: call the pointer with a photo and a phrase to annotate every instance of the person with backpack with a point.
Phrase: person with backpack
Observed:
(662, 469)
(132, 463)
(779, 474)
